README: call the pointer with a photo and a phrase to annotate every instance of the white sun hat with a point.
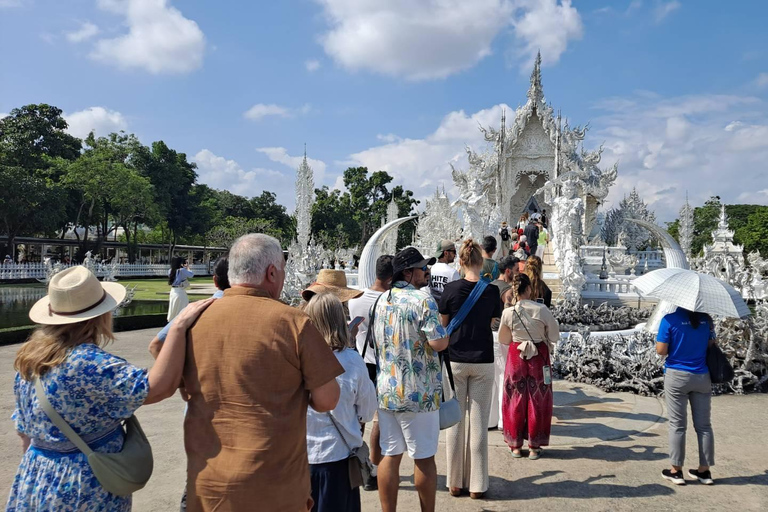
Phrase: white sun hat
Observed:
(76, 295)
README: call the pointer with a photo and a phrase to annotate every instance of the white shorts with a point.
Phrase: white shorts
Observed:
(417, 431)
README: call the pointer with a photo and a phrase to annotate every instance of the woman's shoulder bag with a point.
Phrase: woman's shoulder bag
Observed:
(121, 473)
(359, 463)
(720, 370)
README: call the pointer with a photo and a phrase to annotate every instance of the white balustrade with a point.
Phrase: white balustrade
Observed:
(19, 271)
(605, 288)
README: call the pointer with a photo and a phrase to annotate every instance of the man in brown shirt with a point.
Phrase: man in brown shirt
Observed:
(253, 365)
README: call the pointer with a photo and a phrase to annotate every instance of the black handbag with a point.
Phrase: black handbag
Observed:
(720, 370)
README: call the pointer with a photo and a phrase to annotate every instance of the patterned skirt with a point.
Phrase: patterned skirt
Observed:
(528, 401)
(51, 481)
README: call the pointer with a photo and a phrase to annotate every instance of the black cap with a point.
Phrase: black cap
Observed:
(508, 262)
(410, 257)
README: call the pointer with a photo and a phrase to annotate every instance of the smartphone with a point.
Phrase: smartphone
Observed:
(355, 322)
(540, 301)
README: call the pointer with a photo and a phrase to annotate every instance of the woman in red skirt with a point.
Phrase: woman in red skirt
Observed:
(531, 331)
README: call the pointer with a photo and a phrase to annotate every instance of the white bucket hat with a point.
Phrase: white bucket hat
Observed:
(76, 295)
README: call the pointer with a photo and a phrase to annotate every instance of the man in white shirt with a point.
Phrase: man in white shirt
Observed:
(361, 306)
(442, 273)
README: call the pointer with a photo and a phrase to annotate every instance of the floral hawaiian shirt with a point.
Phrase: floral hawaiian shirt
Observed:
(410, 377)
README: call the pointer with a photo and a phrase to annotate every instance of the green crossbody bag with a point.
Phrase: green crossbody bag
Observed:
(121, 473)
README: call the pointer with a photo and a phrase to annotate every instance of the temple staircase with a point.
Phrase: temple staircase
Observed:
(552, 274)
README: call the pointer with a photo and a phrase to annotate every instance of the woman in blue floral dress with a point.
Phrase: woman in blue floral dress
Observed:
(93, 390)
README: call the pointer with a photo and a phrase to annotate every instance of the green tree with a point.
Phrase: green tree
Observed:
(97, 179)
(32, 139)
(754, 234)
(266, 207)
(173, 178)
(231, 228)
(333, 222)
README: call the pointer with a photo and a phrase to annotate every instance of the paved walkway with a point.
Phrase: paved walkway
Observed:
(606, 453)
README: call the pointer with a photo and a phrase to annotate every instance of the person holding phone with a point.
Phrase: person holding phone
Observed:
(531, 331)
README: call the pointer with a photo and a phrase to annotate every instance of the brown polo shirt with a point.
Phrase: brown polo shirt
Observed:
(251, 361)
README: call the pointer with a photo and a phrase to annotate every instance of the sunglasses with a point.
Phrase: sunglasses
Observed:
(425, 268)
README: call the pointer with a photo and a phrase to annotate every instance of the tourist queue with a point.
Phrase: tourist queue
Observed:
(277, 396)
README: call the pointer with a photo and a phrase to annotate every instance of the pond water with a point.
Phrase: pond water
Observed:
(15, 302)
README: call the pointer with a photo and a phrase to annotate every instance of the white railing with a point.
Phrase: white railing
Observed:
(593, 256)
(597, 288)
(19, 271)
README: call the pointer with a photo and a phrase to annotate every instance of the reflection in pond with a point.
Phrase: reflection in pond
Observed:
(16, 301)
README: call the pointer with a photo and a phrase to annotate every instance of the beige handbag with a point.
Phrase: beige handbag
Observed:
(121, 473)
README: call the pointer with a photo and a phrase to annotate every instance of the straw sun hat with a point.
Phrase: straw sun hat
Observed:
(331, 281)
(76, 295)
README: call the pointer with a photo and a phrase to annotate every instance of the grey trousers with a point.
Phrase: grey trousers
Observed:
(680, 388)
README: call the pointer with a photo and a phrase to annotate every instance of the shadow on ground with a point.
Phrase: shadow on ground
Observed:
(532, 487)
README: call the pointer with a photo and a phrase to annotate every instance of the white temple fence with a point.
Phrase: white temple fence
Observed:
(593, 256)
(21, 271)
(614, 287)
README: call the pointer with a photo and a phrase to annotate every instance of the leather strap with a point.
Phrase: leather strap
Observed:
(52, 311)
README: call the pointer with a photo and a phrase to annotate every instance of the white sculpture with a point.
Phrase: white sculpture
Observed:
(305, 198)
(439, 221)
(685, 230)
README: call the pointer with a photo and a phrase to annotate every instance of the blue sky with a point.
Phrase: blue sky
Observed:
(675, 90)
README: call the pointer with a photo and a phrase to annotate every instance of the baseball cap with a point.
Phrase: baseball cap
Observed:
(444, 245)
(410, 257)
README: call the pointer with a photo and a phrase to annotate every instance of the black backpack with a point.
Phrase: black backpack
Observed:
(504, 234)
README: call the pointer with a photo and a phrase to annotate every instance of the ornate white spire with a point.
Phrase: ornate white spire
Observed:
(305, 197)
(390, 243)
(685, 231)
(536, 91)
(723, 232)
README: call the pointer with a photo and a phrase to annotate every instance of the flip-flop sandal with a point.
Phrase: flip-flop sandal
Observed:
(534, 454)
(517, 455)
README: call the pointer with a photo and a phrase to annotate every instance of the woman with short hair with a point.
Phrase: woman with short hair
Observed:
(333, 435)
(471, 358)
(531, 331)
(92, 390)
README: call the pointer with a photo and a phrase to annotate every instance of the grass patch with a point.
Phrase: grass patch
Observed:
(158, 289)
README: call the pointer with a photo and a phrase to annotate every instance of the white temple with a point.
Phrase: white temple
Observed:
(536, 162)
(510, 176)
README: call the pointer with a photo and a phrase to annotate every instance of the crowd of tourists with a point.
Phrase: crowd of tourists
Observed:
(278, 397)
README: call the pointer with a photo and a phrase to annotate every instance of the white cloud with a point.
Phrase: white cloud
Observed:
(221, 173)
(280, 155)
(547, 25)
(423, 164)
(664, 9)
(261, 110)
(436, 38)
(159, 39)
(312, 65)
(3, 114)
(10, 3)
(86, 31)
(762, 80)
(669, 146)
(664, 146)
(99, 119)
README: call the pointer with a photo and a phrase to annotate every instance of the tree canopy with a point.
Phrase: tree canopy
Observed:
(115, 187)
(749, 223)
